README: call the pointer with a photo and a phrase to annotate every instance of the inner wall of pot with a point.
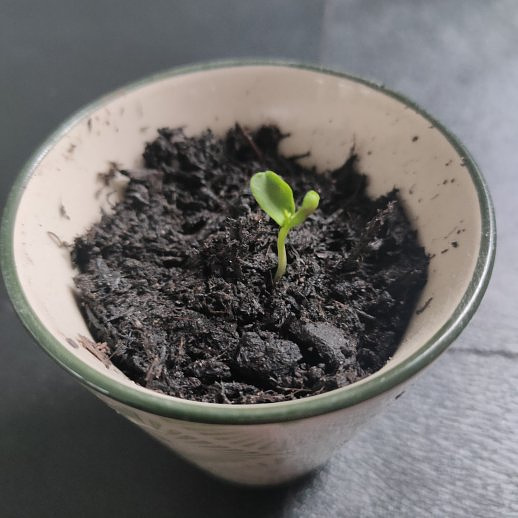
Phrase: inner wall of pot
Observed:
(323, 113)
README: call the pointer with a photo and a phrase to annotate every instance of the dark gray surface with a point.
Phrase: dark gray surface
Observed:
(450, 447)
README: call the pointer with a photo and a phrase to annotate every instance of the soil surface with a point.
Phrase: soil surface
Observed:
(176, 284)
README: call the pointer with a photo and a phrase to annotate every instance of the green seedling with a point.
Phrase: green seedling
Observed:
(275, 197)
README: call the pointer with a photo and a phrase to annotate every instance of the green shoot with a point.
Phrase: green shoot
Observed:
(275, 197)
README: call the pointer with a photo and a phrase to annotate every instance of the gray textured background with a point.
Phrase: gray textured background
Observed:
(450, 447)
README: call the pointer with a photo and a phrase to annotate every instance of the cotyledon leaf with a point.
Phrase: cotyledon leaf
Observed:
(273, 195)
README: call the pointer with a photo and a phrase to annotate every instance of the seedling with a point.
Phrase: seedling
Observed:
(275, 197)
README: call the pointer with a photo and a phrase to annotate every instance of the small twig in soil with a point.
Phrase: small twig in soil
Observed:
(181, 346)
(223, 353)
(99, 350)
(366, 315)
(251, 142)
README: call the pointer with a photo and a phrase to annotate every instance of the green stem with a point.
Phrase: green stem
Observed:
(281, 253)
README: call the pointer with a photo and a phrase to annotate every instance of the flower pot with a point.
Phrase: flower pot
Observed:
(58, 194)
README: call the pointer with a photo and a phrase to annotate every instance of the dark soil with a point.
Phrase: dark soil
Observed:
(176, 283)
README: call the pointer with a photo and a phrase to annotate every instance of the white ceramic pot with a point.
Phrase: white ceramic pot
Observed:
(325, 112)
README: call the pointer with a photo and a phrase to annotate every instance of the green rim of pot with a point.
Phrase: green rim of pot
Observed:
(259, 413)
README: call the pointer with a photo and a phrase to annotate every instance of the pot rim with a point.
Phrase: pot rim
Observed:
(168, 406)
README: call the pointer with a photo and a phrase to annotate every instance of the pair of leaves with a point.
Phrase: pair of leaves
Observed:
(275, 197)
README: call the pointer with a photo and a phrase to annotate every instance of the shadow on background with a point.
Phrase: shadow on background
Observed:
(87, 461)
